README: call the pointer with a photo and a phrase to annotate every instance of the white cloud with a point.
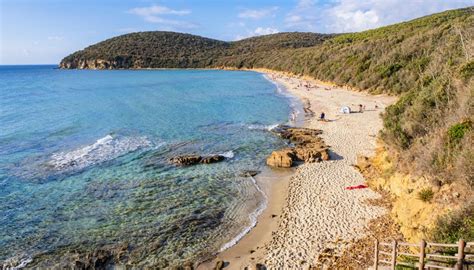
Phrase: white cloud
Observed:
(257, 13)
(259, 31)
(265, 31)
(156, 14)
(157, 10)
(55, 38)
(354, 20)
(355, 15)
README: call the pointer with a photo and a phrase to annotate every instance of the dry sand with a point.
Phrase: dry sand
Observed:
(316, 213)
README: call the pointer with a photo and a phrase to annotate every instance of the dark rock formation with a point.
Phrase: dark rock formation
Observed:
(186, 160)
(249, 173)
(308, 147)
(212, 159)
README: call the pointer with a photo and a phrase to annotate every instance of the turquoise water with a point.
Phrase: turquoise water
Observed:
(84, 161)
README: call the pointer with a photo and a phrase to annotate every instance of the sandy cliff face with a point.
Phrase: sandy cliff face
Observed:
(416, 216)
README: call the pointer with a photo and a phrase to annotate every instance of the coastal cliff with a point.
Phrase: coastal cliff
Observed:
(427, 62)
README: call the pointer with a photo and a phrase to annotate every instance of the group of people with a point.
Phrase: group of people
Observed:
(322, 116)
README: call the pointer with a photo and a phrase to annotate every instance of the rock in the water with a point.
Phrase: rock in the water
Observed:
(249, 173)
(186, 160)
(212, 159)
(219, 265)
(308, 147)
(281, 158)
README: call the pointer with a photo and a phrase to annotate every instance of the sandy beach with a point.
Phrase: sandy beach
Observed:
(311, 212)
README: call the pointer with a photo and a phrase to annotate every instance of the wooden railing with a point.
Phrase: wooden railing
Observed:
(425, 255)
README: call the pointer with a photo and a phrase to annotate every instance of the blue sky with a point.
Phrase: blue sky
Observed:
(44, 31)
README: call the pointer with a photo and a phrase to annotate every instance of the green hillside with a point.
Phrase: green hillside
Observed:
(176, 50)
(427, 62)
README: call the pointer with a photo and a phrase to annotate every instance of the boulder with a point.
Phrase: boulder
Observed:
(308, 147)
(281, 158)
(219, 265)
(186, 160)
(311, 153)
(363, 163)
(212, 159)
(249, 173)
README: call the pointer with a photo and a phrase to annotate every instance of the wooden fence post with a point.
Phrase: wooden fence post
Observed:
(394, 254)
(376, 255)
(460, 262)
(421, 262)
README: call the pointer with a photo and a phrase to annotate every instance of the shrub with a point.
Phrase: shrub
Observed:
(455, 225)
(425, 195)
(456, 132)
(390, 70)
(467, 70)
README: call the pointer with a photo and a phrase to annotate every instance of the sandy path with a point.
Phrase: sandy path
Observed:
(318, 210)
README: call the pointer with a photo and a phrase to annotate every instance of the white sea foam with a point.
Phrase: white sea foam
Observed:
(252, 216)
(104, 149)
(17, 263)
(228, 154)
(263, 127)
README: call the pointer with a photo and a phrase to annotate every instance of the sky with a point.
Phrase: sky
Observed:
(45, 31)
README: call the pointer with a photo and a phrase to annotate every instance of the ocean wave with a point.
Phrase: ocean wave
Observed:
(228, 154)
(104, 149)
(262, 127)
(252, 216)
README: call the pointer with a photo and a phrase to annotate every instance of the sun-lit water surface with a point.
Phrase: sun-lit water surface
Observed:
(84, 160)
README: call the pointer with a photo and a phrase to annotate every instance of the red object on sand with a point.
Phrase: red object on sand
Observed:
(357, 187)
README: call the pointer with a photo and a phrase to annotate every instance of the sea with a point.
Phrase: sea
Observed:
(85, 170)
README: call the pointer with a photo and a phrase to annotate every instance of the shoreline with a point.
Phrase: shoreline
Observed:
(272, 241)
(273, 183)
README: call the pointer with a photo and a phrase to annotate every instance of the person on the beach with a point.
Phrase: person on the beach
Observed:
(361, 108)
(322, 117)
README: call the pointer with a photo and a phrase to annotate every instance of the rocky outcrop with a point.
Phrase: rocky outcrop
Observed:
(186, 160)
(307, 147)
(94, 64)
(282, 158)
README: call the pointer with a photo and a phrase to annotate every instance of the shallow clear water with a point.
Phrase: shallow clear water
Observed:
(84, 160)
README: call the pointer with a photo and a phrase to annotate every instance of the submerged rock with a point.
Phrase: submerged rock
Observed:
(249, 173)
(186, 160)
(308, 147)
(212, 159)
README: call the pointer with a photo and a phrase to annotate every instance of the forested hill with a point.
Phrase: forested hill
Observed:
(160, 49)
(427, 62)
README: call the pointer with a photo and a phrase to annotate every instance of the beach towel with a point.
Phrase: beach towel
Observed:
(357, 187)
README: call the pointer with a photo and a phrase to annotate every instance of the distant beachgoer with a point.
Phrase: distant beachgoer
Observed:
(376, 106)
(361, 108)
(322, 117)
